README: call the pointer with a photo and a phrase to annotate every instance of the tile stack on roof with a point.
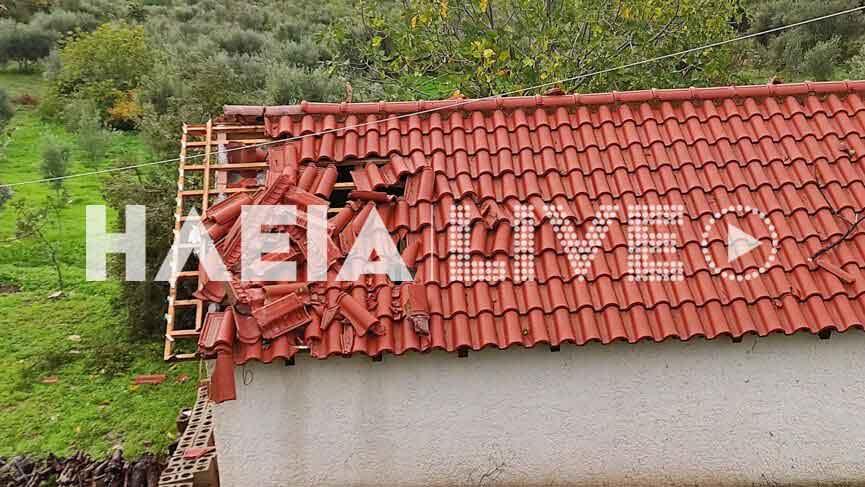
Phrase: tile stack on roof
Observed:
(793, 151)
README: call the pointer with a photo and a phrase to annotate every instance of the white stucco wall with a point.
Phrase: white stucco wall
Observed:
(766, 411)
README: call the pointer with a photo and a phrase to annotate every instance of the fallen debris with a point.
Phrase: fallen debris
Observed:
(153, 379)
(80, 469)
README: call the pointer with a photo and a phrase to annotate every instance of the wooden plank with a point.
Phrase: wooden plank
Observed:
(221, 174)
(203, 143)
(185, 334)
(238, 128)
(205, 199)
(237, 166)
(200, 192)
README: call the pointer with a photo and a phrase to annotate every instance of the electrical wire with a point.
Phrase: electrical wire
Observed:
(457, 103)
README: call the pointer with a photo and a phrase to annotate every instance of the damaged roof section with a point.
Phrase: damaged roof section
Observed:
(792, 151)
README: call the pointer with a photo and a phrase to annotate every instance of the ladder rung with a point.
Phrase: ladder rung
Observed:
(228, 167)
(203, 143)
(185, 334)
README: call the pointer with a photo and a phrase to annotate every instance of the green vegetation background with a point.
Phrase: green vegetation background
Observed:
(80, 339)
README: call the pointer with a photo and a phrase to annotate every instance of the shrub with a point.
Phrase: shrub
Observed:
(5, 195)
(820, 61)
(289, 85)
(6, 110)
(857, 65)
(304, 53)
(151, 187)
(813, 51)
(23, 43)
(105, 66)
(55, 163)
(62, 22)
(82, 117)
(242, 42)
(125, 111)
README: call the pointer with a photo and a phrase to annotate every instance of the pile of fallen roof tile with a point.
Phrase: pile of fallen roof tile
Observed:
(79, 470)
(792, 151)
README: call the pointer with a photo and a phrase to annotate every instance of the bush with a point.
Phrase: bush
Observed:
(304, 53)
(290, 85)
(242, 42)
(152, 187)
(62, 23)
(6, 110)
(23, 44)
(106, 66)
(857, 65)
(5, 195)
(55, 163)
(82, 117)
(820, 61)
(812, 51)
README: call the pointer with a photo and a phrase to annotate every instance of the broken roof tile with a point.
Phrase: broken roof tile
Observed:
(792, 151)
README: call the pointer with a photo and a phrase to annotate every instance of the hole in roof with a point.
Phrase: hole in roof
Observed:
(339, 197)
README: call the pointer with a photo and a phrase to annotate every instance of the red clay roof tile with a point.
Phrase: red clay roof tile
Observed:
(793, 151)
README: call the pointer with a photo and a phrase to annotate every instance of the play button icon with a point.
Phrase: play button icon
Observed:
(739, 243)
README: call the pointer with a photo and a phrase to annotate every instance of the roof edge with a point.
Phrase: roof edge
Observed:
(548, 101)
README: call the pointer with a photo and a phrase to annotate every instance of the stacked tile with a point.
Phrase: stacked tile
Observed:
(792, 151)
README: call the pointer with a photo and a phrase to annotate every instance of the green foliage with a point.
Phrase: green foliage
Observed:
(62, 23)
(287, 85)
(242, 41)
(6, 110)
(22, 10)
(106, 66)
(145, 300)
(23, 43)
(814, 51)
(484, 47)
(30, 223)
(857, 65)
(5, 195)
(93, 406)
(55, 163)
(82, 117)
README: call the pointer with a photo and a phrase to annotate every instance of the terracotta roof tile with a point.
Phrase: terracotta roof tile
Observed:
(793, 151)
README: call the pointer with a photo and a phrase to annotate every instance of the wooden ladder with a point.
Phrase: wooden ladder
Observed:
(203, 178)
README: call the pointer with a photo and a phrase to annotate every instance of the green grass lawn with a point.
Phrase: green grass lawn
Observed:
(67, 365)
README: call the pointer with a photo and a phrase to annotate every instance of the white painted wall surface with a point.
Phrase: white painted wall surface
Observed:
(766, 411)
